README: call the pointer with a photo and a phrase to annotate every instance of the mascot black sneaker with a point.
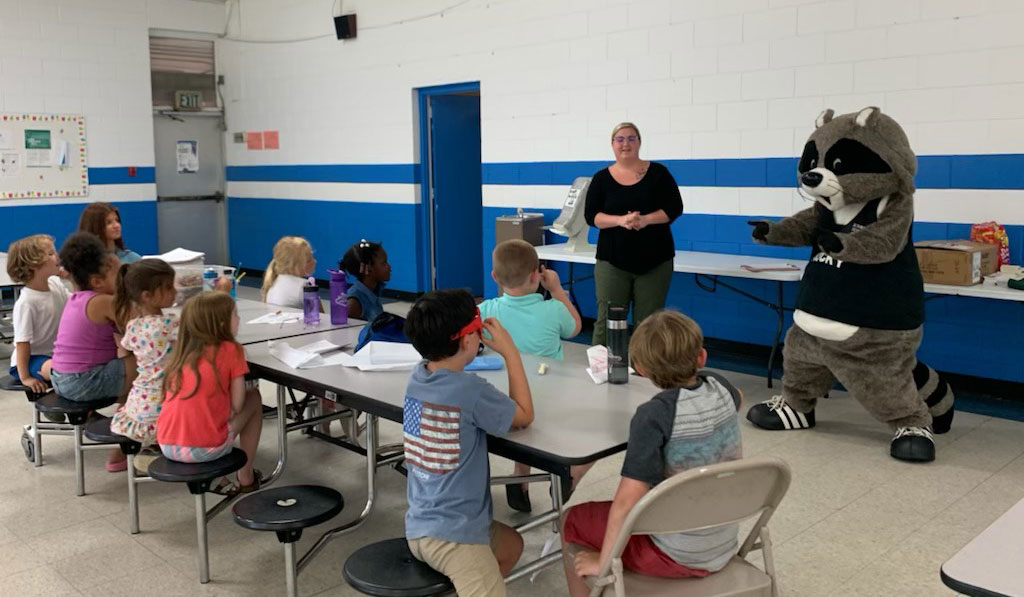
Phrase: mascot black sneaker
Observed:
(776, 415)
(913, 444)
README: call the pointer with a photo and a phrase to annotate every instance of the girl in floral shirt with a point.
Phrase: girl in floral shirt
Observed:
(144, 289)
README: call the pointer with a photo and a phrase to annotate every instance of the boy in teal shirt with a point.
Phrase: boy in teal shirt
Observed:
(537, 326)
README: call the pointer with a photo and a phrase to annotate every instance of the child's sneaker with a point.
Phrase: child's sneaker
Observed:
(145, 458)
(54, 417)
(913, 444)
(776, 415)
(116, 466)
(518, 498)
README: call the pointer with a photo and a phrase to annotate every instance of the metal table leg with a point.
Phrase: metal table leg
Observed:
(778, 307)
(780, 314)
(282, 436)
(371, 494)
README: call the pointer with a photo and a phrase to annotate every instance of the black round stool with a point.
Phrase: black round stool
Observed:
(287, 511)
(99, 431)
(77, 414)
(198, 477)
(10, 384)
(388, 569)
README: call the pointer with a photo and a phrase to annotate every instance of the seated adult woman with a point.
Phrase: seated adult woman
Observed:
(632, 202)
(103, 220)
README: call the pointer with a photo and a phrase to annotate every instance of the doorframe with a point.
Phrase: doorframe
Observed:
(428, 273)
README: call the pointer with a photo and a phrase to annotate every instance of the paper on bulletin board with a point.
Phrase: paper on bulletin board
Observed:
(254, 140)
(6, 139)
(10, 164)
(188, 157)
(37, 148)
(270, 140)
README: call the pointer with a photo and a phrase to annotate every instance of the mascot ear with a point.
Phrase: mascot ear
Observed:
(865, 116)
(823, 118)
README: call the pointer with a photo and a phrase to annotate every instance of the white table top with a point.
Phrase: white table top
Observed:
(575, 421)
(991, 562)
(261, 332)
(5, 280)
(728, 264)
(695, 262)
(988, 291)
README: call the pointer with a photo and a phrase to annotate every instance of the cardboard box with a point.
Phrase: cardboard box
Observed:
(957, 262)
(523, 226)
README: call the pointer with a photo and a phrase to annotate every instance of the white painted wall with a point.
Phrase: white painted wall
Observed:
(702, 78)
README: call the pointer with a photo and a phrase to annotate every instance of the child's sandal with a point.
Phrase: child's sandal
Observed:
(257, 481)
(225, 487)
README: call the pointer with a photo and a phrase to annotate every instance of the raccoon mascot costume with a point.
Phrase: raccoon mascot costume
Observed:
(860, 306)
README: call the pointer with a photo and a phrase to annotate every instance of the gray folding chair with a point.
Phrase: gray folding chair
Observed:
(699, 499)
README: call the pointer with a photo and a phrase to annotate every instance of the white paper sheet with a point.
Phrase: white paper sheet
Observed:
(392, 353)
(179, 255)
(277, 317)
(320, 347)
(60, 154)
(292, 357)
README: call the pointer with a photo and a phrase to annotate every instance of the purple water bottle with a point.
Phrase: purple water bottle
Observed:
(339, 298)
(311, 302)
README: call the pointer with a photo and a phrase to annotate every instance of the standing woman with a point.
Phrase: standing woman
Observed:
(632, 203)
(103, 220)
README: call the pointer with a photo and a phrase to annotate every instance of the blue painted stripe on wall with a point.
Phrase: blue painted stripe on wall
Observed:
(392, 173)
(994, 171)
(119, 175)
(254, 225)
(138, 221)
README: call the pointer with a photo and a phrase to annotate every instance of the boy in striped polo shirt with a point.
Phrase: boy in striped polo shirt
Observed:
(448, 414)
(692, 423)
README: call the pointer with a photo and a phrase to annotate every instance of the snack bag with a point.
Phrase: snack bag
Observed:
(992, 233)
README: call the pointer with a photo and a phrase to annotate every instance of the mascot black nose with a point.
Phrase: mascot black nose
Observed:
(811, 179)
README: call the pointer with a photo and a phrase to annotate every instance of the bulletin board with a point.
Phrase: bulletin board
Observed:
(42, 155)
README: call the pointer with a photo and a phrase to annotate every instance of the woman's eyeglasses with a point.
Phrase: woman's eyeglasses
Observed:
(621, 139)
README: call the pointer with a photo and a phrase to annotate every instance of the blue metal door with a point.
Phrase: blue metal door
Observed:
(457, 203)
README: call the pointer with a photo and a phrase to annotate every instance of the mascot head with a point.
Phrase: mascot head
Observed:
(856, 157)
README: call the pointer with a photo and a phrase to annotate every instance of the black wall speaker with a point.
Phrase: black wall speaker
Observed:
(345, 26)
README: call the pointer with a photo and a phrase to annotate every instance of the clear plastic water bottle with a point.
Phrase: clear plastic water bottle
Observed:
(339, 298)
(209, 278)
(618, 345)
(311, 302)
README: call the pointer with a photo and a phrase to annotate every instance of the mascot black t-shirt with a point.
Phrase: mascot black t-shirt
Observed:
(884, 296)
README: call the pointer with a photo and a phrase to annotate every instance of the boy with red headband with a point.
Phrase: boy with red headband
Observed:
(448, 414)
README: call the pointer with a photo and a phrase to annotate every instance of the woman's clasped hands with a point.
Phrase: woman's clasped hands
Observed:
(633, 221)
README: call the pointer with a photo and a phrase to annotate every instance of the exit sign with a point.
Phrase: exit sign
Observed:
(188, 100)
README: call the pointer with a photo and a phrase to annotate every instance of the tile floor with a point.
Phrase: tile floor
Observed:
(855, 521)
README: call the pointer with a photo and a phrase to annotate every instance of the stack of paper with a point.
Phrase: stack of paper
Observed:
(384, 356)
(309, 356)
(278, 317)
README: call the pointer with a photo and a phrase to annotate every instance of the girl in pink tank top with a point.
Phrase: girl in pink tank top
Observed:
(85, 357)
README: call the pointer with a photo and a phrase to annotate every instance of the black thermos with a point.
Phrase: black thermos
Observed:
(618, 345)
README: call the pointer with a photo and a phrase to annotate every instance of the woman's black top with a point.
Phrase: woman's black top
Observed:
(635, 251)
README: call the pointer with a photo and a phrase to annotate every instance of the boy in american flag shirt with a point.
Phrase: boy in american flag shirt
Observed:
(448, 414)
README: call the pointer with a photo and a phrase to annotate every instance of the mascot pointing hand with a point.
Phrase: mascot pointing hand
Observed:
(860, 307)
